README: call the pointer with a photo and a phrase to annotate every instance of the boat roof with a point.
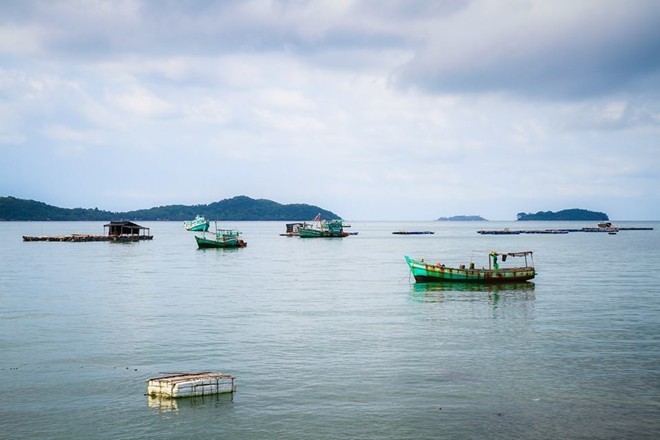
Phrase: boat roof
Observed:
(513, 254)
(124, 223)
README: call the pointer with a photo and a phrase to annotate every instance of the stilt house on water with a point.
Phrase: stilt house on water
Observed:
(128, 229)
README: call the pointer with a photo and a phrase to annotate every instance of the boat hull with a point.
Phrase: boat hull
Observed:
(433, 273)
(200, 224)
(313, 233)
(198, 228)
(205, 243)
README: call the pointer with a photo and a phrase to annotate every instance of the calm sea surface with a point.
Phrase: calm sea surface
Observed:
(330, 338)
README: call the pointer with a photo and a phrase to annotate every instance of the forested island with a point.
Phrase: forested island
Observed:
(564, 215)
(236, 208)
(462, 218)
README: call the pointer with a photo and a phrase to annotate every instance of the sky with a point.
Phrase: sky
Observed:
(375, 110)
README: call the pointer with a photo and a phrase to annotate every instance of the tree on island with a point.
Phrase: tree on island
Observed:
(564, 215)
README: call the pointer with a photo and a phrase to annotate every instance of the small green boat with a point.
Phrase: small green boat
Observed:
(200, 224)
(429, 272)
(320, 228)
(222, 238)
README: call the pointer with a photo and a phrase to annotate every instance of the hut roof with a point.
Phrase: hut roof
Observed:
(124, 223)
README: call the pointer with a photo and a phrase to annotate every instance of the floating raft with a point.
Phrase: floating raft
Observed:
(191, 384)
(557, 231)
(78, 238)
(532, 231)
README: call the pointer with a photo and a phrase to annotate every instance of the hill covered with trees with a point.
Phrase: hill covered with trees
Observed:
(235, 208)
(566, 214)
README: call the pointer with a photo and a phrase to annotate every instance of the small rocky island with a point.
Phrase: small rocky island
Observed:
(564, 215)
(462, 218)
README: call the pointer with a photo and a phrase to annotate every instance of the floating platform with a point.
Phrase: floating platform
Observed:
(547, 231)
(609, 230)
(176, 385)
(499, 232)
(78, 238)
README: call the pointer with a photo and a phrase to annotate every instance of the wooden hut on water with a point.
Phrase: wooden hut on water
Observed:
(122, 231)
(118, 228)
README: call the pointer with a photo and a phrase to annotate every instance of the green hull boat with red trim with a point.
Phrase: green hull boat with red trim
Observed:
(221, 238)
(320, 228)
(425, 272)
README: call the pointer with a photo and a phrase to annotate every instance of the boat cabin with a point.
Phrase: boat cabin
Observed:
(126, 228)
(292, 228)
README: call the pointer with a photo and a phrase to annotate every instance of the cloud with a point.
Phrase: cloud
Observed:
(374, 109)
(141, 102)
(67, 134)
(540, 50)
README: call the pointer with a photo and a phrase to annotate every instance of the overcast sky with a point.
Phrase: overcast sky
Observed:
(376, 110)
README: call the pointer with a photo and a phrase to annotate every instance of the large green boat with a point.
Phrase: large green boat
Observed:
(221, 238)
(425, 272)
(320, 228)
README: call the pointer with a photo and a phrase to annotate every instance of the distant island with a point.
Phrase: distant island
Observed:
(566, 214)
(462, 218)
(236, 208)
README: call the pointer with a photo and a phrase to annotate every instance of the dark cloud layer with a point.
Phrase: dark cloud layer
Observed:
(612, 50)
(455, 46)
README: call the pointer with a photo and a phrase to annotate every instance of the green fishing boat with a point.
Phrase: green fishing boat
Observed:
(200, 224)
(221, 238)
(425, 272)
(320, 228)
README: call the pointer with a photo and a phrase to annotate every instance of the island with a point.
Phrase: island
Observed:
(462, 218)
(236, 209)
(564, 215)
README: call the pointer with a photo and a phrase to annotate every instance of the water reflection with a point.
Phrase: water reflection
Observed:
(450, 291)
(166, 404)
(229, 250)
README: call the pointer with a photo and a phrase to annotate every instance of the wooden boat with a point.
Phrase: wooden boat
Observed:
(428, 272)
(222, 238)
(320, 228)
(200, 224)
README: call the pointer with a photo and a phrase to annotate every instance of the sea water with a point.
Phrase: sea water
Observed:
(330, 338)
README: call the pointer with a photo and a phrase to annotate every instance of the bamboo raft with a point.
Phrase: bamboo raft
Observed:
(190, 384)
(79, 238)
